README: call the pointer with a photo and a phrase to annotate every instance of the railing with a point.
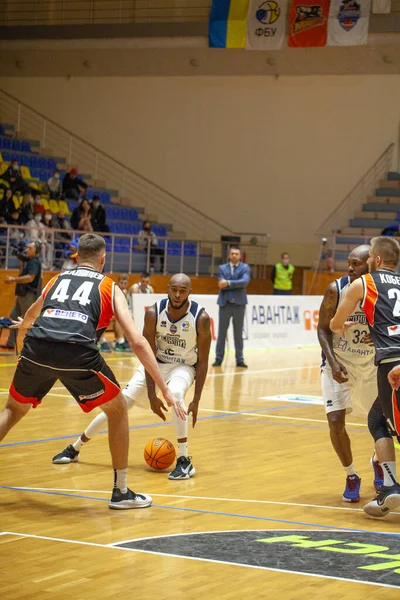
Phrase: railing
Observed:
(108, 172)
(354, 200)
(55, 12)
(203, 261)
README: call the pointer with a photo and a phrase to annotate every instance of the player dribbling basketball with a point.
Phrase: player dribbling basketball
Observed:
(178, 331)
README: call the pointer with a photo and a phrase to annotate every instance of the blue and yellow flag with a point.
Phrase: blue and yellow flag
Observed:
(250, 24)
(228, 23)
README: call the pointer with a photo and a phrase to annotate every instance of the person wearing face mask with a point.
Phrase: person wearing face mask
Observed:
(99, 216)
(54, 185)
(282, 276)
(148, 238)
(13, 178)
(38, 207)
(37, 233)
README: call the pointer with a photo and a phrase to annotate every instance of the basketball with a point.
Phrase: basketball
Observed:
(159, 454)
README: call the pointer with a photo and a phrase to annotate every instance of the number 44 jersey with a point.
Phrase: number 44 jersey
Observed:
(350, 346)
(381, 304)
(77, 307)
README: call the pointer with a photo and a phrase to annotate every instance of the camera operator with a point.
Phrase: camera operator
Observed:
(28, 288)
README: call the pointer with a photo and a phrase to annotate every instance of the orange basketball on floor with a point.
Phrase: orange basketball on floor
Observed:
(159, 454)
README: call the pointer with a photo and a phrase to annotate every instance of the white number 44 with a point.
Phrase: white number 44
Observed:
(81, 295)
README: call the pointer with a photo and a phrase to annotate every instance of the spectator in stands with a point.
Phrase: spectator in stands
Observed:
(81, 218)
(70, 256)
(143, 286)
(282, 276)
(28, 209)
(121, 345)
(12, 175)
(72, 186)
(99, 216)
(54, 185)
(7, 206)
(61, 239)
(147, 239)
(48, 247)
(38, 207)
(16, 234)
(37, 233)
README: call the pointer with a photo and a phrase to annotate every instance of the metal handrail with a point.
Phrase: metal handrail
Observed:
(117, 175)
(355, 198)
(257, 259)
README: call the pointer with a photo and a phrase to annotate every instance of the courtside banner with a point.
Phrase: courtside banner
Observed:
(308, 23)
(348, 22)
(270, 321)
(250, 24)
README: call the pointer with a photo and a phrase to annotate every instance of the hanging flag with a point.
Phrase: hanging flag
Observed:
(308, 23)
(250, 24)
(266, 24)
(348, 22)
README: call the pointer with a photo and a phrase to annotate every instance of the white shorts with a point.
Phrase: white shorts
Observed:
(355, 395)
(178, 377)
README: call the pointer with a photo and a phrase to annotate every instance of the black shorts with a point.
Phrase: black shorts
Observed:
(389, 400)
(81, 370)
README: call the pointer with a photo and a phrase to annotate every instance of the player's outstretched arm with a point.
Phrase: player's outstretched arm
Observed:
(203, 351)
(326, 313)
(394, 378)
(31, 314)
(143, 350)
(353, 296)
(149, 332)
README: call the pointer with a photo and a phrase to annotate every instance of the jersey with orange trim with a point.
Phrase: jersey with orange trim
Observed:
(381, 304)
(77, 307)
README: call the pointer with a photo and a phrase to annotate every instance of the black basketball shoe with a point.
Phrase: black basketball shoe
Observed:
(120, 501)
(184, 468)
(68, 455)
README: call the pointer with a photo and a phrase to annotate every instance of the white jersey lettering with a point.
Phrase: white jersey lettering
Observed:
(350, 345)
(176, 341)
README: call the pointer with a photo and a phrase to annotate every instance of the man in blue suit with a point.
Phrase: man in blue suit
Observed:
(233, 279)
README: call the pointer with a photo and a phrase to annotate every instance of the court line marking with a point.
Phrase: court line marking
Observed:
(209, 512)
(225, 374)
(244, 500)
(248, 414)
(113, 546)
(145, 426)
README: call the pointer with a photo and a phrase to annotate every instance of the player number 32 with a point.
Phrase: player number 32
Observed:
(81, 295)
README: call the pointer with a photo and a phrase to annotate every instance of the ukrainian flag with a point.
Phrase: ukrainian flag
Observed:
(228, 23)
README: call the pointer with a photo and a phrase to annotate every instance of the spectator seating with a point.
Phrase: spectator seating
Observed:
(36, 170)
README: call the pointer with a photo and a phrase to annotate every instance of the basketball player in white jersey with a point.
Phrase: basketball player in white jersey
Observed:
(348, 373)
(178, 331)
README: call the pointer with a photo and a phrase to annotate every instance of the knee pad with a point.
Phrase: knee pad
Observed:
(377, 424)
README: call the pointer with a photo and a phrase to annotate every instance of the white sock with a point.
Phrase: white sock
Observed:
(182, 449)
(350, 470)
(120, 478)
(120, 340)
(389, 472)
(78, 444)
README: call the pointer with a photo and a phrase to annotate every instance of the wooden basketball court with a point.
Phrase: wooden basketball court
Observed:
(262, 517)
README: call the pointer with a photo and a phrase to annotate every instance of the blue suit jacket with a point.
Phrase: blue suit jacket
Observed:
(236, 291)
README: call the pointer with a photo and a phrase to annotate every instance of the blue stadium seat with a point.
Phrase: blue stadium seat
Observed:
(34, 161)
(34, 172)
(6, 143)
(105, 197)
(26, 147)
(6, 156)
(17, 145)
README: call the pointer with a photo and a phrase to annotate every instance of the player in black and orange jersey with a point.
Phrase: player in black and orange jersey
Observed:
(65, 323)
(379, 295)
